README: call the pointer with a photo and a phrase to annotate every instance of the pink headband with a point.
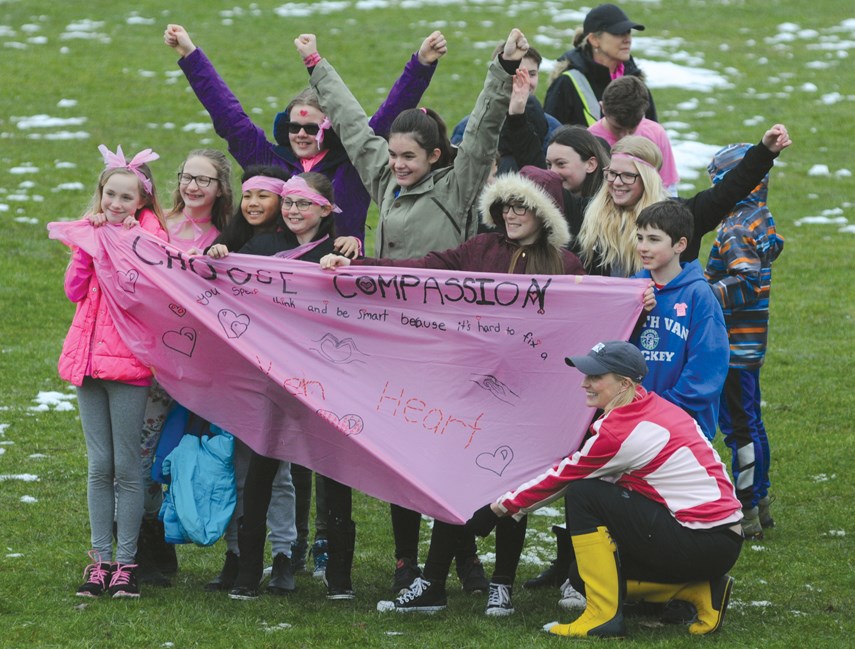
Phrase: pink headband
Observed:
(117, 161)
(633, 158)
(297, 186)
(266, 183)
(322, 128)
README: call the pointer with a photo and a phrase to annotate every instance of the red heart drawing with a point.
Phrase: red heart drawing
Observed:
(348, 424)
(234, 324)
(128, 280)
(182, 341)
(497, 461)
(303, 112)
(178, 310)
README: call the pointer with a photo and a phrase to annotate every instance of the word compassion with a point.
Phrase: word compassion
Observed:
(471, 290)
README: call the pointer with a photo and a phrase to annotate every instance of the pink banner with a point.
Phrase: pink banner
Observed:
(435, 390)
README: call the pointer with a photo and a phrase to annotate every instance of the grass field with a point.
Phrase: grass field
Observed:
(76, 74)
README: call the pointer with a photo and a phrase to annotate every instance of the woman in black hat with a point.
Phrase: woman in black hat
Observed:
(652, 514)
(601, 53)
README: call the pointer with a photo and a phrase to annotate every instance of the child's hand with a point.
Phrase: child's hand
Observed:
(179, 40)
(218, 251)
(194, 252)
(516, 47)
(330, 262)
(776, 139)
(648, 300)
(97, 219)
(520, 92)
(306, 44)
(130, 222)
(433, 49)
(347, 246)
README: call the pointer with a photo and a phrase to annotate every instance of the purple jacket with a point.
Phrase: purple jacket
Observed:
(249, 145)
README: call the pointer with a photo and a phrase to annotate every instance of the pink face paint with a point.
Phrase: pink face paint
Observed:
(304, 112)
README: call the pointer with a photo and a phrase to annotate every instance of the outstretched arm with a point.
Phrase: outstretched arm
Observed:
(179, 40)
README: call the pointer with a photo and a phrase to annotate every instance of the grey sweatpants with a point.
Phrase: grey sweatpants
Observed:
(112, 416)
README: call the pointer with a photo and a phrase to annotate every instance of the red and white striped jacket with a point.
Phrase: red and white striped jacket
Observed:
(649, 446)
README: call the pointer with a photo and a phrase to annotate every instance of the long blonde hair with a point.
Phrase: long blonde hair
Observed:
(608, 235)
(150, 198)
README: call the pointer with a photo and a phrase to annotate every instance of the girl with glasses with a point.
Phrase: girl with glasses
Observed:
(606, 241)
(303, 139)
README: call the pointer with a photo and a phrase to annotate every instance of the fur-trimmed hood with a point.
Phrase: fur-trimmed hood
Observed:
(539, 190)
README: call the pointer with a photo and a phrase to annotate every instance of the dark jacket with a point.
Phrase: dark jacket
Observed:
(249, 145)
(563, 102)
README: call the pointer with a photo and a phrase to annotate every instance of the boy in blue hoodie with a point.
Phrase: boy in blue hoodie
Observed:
(740, 272)
(683, 339)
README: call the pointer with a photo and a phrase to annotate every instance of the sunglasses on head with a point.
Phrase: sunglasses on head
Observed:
(296, 127)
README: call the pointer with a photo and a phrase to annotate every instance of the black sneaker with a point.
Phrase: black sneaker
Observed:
(499, 600)
(123, 582)
(421, 597)
(299, 550)
(551, 577)
(244, 593)
(97, 575)
(472, 577)
(406, 571)
(226, 579)
(282, 580)
(339, 592)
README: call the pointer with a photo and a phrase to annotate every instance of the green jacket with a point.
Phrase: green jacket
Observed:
(438, 213)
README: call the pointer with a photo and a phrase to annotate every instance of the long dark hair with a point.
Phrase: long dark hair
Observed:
(587, 146)
(237, 231)
(426, 127)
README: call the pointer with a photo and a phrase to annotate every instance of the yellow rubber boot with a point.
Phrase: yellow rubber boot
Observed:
(598, 566)
(710, 598)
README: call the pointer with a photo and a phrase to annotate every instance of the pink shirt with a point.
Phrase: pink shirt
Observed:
(654, 132)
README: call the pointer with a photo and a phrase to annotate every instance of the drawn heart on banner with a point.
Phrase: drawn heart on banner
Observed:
(497, 461)
(338, 351)
(128, 280)
(182, 341)
(348, 424)
(234, 324)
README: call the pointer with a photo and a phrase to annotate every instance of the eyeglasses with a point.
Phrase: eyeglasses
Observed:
(302, 206)
(519, 210)
(201, 181)
(296, 127)
(626, 177)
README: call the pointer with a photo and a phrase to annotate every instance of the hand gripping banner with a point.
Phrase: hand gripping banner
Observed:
(435, 390)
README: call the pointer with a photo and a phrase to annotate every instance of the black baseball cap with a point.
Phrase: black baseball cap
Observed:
(609, 18)
(615, 356)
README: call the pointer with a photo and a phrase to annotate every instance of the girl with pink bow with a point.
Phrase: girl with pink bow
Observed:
(112, 385)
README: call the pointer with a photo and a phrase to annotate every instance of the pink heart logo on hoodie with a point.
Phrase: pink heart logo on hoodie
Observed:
(128, 280)
(182, 341)
(497, 461)
(234, 324)
(348, 424)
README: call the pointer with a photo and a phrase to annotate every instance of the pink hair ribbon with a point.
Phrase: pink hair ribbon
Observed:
(117, 161)
(633, 158)
(297, 186)
(267, 183)
(323, 127)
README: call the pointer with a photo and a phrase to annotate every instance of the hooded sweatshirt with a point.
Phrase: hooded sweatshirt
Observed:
(740, 265)
(493, 252)
(684, 341)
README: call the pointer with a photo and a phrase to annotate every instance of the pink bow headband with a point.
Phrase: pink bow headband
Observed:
(267, 183)
(117, 161)
(297, 186)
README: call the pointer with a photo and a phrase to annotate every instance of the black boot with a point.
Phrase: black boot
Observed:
(148, 571)
(226, 579)
(250, 562)
(162, 552)
(556, 573)
(282, 580)
(341, 541)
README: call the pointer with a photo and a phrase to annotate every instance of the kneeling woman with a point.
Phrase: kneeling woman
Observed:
(652, 513)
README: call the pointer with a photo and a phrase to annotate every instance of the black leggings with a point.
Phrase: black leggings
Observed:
(652, 545)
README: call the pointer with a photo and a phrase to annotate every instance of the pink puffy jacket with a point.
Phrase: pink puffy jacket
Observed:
(93, 346)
